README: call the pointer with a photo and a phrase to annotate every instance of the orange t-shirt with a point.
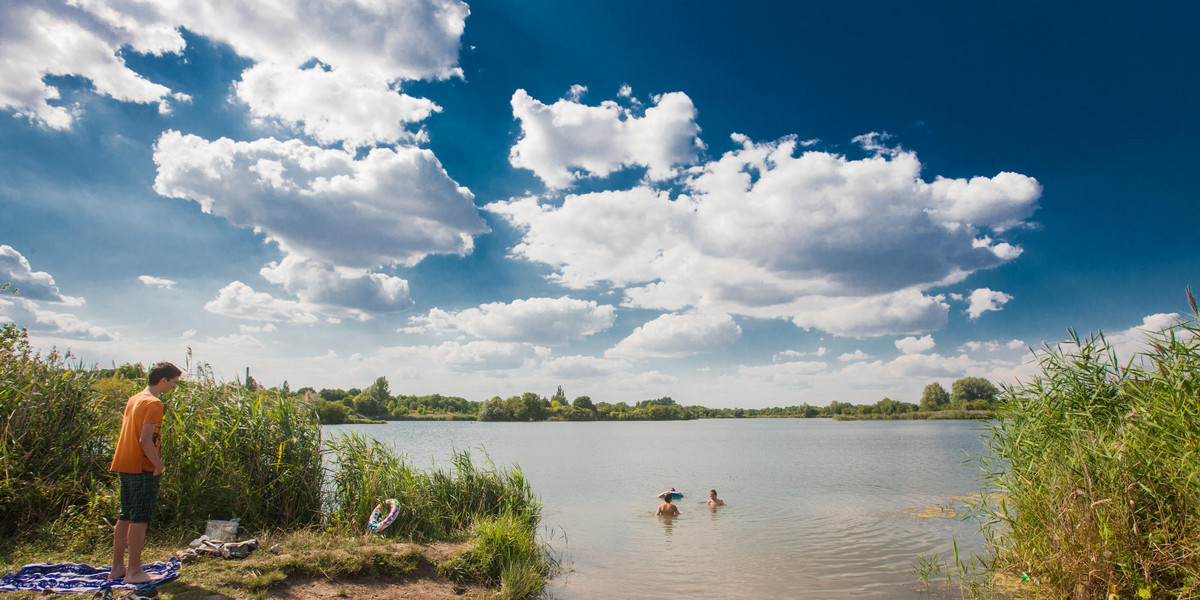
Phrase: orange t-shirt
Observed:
(141, 409)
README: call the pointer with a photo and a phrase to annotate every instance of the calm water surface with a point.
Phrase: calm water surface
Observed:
(816, 508)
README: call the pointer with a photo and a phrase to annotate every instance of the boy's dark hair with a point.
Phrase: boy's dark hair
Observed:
(163, 370)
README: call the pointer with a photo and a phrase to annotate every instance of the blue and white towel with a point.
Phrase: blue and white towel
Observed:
(78, 578)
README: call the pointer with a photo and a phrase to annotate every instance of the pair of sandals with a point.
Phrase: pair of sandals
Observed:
(148, 593)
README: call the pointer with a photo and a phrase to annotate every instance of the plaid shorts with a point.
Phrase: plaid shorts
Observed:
(139, 494)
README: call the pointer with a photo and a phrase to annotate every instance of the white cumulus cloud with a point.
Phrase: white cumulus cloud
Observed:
(392, 206)
(240, 301)
(333, 106)
(673, 335)
(358, 291)
(545, 321)
(566, 140)
(86, 39)
(915, 345)
(985, 300)
(366, 48)
(851, 247)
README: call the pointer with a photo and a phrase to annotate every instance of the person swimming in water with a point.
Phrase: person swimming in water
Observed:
(713, 500)
(666, 508)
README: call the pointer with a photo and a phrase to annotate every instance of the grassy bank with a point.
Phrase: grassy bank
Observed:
(1097, 463)
(231, 452)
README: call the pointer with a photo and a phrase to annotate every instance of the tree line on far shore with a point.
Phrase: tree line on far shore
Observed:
(969, 397)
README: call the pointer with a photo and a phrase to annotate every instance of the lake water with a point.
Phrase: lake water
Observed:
(816, 508)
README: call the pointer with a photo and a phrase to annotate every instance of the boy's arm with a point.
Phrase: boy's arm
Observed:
(147, 442)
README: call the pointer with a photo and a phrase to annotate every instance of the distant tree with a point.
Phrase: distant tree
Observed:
(837, 408)
(887, 406)
(584, 402)
(334, 395)
(492, 410)
(380, 391)
(973, 388)
(559, 395)
(369, 406)
(285, 389)
(934, 397)
(535, 406)
(332, 413)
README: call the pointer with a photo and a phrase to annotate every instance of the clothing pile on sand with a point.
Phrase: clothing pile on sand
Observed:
(207, 545)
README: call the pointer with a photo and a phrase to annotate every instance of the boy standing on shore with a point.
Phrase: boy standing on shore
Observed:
(138, 460)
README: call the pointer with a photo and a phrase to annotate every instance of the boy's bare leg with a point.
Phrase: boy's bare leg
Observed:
(137, 540)
(120, 540)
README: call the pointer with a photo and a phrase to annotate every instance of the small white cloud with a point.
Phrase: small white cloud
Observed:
(187, 335)
(545, 321)
(1016, 345)
(789, 374)
(267, 328)
(157, 282)
(787, 355)
(567, 140)
(240, 301)
(984, 300)
(915, 345)
(976, 346)
(672, 335)
(238, 340)
(854, 356)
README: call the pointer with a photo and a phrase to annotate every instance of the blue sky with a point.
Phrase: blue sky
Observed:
(751, 205)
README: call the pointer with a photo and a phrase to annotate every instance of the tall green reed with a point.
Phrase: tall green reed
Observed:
(232, 452)
(54, 451)
(1097, 468)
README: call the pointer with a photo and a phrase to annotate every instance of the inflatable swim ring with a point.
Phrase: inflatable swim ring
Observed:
(379, 521)
(674, 495)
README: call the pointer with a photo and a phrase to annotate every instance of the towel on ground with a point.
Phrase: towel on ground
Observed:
(78, 578)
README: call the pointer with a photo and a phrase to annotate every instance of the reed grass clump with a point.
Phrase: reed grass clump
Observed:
(1097, 465)
(433, 504)
(503, 552)
(231, 452)
(54, 452)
